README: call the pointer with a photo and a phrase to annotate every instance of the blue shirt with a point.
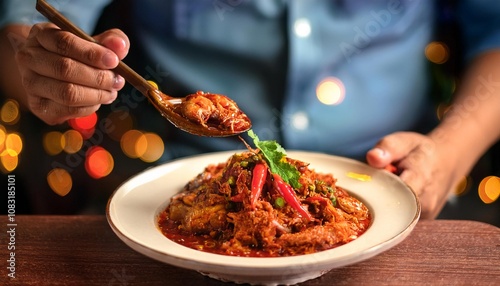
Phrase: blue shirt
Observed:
(272, 56)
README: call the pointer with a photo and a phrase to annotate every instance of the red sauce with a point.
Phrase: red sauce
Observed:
(208, 244)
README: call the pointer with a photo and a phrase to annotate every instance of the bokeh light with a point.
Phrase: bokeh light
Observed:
(3, 136)
(437, 52)
(73, 141)
(141, 145)
(489, 189)
(148, 147)
(463, 186)
(99, 162)
(302, 28)
(13, 143)
(9, 113)
(60, 181)
(154, 147)
(330, 91)
(129, 144)
(84, 125)
(154, 84)
(53, 142)
(9, 160)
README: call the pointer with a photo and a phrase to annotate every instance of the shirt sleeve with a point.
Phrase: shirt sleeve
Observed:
(83, 13)
(480, 24)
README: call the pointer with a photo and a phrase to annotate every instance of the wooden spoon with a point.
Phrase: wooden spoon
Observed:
(203, 114)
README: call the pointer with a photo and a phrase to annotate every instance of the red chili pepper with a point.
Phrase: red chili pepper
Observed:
(290, 197)
(259, 176)
(391, 168)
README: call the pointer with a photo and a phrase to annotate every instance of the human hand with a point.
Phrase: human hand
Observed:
(422, 163)
(65, 76)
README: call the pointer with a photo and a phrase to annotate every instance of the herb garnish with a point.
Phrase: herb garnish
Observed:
(275, 156)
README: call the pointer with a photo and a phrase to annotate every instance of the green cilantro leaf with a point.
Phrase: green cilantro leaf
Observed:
(275, 156)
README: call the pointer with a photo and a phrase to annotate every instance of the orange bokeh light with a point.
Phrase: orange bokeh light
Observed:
(60, 181)
(84, 123)
(437, 52)
(99, 162)
(489, 189)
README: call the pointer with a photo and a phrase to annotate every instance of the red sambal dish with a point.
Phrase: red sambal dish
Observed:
(213, 110)
(240, 208)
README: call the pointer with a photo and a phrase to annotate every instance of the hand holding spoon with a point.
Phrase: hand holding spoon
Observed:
(203, 114)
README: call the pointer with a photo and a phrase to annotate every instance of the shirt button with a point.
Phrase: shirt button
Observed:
(300, 121)
(302, 28)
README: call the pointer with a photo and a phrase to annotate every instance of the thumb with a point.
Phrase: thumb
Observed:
(392, 148)
(115, 40)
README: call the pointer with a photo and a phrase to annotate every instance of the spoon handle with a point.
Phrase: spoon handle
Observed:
(122, 69)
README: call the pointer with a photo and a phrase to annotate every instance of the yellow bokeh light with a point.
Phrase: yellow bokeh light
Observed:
(9, 113)
(9, 160)
(330, 91)
(154, 147)
(3, 135)
(141, 145)
(60, 181)
(14, 143)
(129, 141)
(437, 52)
(489, 189)
(99, 162)
(154, 84)
(53, 142)
(73, 141)
(463, 186)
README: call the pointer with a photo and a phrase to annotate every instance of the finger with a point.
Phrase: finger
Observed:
(53, 113)
(423, 180)
(64, 43)
(66, 69)
(392, 148)
(66, 93)
(115, 40)
(413, 180)
(378, 158)
(431, 202)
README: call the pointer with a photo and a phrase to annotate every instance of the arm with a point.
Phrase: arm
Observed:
(434, 164)
(471, 126)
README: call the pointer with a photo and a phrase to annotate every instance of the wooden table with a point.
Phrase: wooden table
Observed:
(83, 250)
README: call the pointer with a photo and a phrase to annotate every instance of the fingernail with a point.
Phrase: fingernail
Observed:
(380, 152)
(110, 60)
(119, 82)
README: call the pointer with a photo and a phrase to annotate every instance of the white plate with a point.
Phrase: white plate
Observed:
(134, 206)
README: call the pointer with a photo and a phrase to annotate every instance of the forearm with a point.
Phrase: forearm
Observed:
(11, 37)
(471, 125)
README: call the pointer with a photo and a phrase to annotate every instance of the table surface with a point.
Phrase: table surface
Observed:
(83, 250)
